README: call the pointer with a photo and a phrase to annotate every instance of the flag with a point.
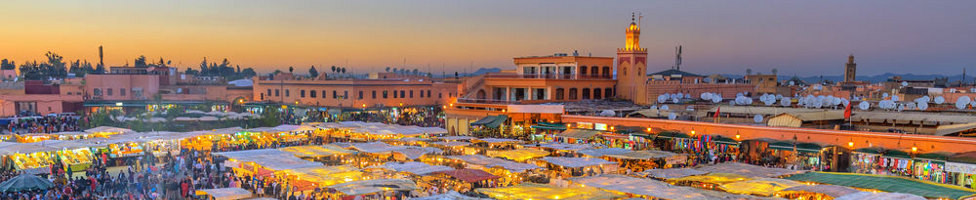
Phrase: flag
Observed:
(847, 111)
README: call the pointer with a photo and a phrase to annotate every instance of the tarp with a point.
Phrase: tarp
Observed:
(413, 152)
(327, 175)
(491, 121)
(451, 195)
(108, 129)
(596, 153)
(539, 191)
(374, 186)
(829, 190)
(880, 195)
(712, 178)
(639, 186)
(375, 147)
(270, 158)
(520, 155)
(498, 140)
(227, 193)
(747, 170)
(885, 183)
(450, 138)
(563, 146)
(25, 182)
(452, 143)
(760, 187)
(578, 133)
(316, 151)
(643, 155)
(417, 168)
(575, 162)
(671, 173)
(469, 175)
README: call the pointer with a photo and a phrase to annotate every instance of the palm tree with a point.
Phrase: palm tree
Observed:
(333, 68)
(291, 69)
(387, 68)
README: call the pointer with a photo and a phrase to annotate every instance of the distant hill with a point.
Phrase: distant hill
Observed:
(872, 79)
(480, 71)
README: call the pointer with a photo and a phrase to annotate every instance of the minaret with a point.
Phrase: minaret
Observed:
(101, 57)
(850, 69)
(632, 67)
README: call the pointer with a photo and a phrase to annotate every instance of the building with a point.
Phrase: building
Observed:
(850, 69)
(284, 88)
(136, 87)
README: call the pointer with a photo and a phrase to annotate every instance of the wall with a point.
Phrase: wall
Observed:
(903, 142)
(290, 92)
(148, 83)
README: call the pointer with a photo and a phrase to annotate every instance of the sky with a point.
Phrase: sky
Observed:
(795, 37)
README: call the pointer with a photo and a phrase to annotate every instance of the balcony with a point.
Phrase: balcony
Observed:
(548, 76)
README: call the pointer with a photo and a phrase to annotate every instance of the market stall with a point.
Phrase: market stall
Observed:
(760, 187)
(748, 170)
(670, 173)
(565, 167)
(327, 154)
(541, 191)
(815, 192)
(520, 155)
(709, 181)
(463, 180)
(885, 183)
(961, 168)
(323, 176)
(643, 188)
(224, 194)
(384, 188)
(416, 168)
(879, 195)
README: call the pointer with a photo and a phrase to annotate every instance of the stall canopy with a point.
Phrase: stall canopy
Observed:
(550, 126)
(375, 147)
(671, 173)
(639, 186)
(575, 162)
(451, 195)
(453, 138)
(108, 129)
(227, 193)
(578, 133)
(885, 183)
(491, 121)
(747, 170)
(327, 175)
(25, 182)
(643, 155)
(540, 191)
(497, 140)
(269, 158)
(494, 162)
(374, 186)
(468, 175)
(671, 134)
(712, 178)
(967, 157)
(413, 152)
(801, 147)
(880, 195)
(316, 151)
(829, 190)
(520, 155)
(452, 143)
(596, 153)
(417, 168)
(760, 187)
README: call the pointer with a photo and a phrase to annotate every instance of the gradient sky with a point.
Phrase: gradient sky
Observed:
(797, 37)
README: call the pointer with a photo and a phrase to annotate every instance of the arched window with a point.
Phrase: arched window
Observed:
(597, 93)
(606, 71)
(608, 93)
(594, 71)
(573, 93)
(559, 93)
(582, 70)
(586, 92)
(624, 71)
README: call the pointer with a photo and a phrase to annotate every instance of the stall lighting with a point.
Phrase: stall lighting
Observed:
(850, 144)
(737, 136)
(914, 149)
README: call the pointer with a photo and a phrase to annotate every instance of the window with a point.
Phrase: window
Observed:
(606, 71)
(582, 70)
(335, 94)
(69, 93)
(421, 93)
(287, 93)
(395, 94)
(311, 93)
(374, 94)
(440, 95)
(122, 92)
(384, 93)
(586, 93)
(608, 92)
(97, 92)
(594, 71)
(559, 93)
(277, 92)
(262, 96)
(360, 95)
(402, 94)
(108, 92)
(597, 93)
(301, 93)
(269, 92)
(345, 94)
(325, 94)
(411, 93)
(428, 93)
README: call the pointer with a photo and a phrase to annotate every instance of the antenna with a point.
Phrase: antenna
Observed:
(639, 17)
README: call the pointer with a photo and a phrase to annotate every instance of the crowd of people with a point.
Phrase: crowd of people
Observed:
(42, 124)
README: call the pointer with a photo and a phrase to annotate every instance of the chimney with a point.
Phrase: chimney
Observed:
(101, 56)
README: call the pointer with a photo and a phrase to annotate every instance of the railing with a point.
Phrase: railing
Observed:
(549, 76)
(496, 101)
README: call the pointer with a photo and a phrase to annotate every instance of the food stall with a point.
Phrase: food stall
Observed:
(223, 194)
(385, 188)
(710, 181)
(544, 191)
(565, 167)
(462, 180)
(639, 187)
(885, 183)
(815, 192)
(766, 187)
(520, 155)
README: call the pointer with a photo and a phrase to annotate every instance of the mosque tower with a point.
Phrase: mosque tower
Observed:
(850, 69)
(632, 67)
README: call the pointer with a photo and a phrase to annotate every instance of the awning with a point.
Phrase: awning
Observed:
(724, 140)
(550, 126)
(884, 183)
(578, 133)
(896, 154)
(801, 147)
(967, 157)
(672, 135)
(491, 121)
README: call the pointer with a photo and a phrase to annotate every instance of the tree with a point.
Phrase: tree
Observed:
(333, 68)
(775, 71)
(5, 64)
(343, 70)
(190, 71)
(141, 61)
(387, 68)
(313, 72)
(416, 71)
(248, 72)
(203, 67)
(291, 69)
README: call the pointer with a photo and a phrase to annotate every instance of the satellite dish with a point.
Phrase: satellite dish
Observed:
(901, 107)
(864, 105)
(785, 102)
(716, 98)
(939, 100)
(675, 100)
(608, 113)
(662, 98)
(923, 106)
(654, 107)
(894, 98)
(757, 118)
(706, 96)
(885, 95)
(664, 107)
(687, 96)
(904, 83)
(672, 116)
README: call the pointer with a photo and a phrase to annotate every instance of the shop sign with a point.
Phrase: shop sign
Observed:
(960, 168)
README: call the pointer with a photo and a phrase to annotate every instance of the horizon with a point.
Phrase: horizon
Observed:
(719, 37)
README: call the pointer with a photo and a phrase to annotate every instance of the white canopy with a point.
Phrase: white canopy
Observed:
(227, 193)
(574, 162)
(417, 168)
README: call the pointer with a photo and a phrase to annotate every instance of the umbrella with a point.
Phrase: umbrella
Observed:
(25, 182)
